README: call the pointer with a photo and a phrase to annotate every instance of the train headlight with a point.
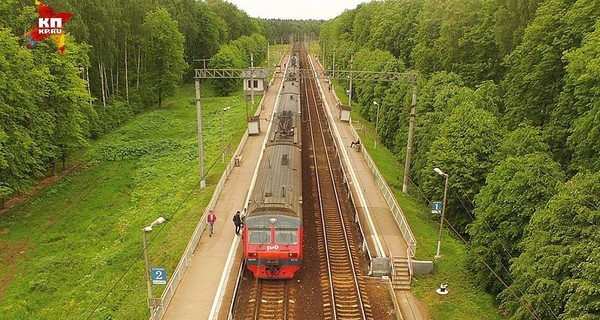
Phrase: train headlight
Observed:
(293, 255)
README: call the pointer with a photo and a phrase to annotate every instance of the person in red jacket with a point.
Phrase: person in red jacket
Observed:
(211, 219)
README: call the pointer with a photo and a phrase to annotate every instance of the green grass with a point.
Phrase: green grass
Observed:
(66, 248)
(465, 299)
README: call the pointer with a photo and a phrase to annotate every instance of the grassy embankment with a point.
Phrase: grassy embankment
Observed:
(68, 247)
(465, 299)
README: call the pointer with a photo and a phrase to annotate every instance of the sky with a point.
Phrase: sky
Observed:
(296, 9)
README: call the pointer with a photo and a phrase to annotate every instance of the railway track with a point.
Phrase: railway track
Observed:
(268, 299)
(341, 280)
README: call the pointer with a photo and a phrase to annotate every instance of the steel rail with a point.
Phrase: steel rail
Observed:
(310, 90)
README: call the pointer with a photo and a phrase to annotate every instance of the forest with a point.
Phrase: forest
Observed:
(509, 107)
(122, 57)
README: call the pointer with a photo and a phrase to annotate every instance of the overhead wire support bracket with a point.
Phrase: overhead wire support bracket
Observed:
(406, 77)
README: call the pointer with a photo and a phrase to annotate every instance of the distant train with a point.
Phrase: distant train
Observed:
(273, 228)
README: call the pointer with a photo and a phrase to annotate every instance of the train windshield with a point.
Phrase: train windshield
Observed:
(283, 236)
(259, 236)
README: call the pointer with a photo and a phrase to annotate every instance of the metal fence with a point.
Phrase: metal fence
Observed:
(390, 199)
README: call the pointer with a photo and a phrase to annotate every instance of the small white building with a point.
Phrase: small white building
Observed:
(254, 79)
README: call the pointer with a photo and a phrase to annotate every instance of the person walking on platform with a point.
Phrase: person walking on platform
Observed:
(237, 220)
(211, 219)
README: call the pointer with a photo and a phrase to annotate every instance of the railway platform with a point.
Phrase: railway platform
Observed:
(206, 278)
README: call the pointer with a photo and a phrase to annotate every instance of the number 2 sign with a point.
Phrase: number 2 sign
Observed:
(159, 275)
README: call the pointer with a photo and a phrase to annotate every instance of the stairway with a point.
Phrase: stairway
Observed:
(401, 280)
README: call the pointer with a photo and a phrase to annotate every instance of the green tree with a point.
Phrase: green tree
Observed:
(24, 123)
(512, 17)
(368, 91)
(457, 36)
(66, 98)
(228, 57)
(16, 16)
(559, 26)
(513, 191)
(584, 142)
(558, 272)
(393, 27)
(432, 110)
(238, 22)
(524, 140)
(202, 29)
(465, 150)
(163, 45)
(580, 93)
(255, 44)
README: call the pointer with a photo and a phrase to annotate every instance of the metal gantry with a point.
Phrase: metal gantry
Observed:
(308, 74)
(377, 76)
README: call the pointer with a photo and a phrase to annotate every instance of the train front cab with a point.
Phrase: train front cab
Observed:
(273, 246)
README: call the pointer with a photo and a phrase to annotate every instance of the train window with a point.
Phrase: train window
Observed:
(286, 236)
(259, 236)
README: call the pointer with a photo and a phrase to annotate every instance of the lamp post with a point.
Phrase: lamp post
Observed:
(223, 133)
(350, 93)
(376, 124)
(145, 230)
(441, 173)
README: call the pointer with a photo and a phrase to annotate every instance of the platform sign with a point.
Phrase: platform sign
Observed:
(436, 207)
(159, 275)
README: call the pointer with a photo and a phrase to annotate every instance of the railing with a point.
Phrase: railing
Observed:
(410, 266)
(177, 275)
(393, 272)
(390, 199)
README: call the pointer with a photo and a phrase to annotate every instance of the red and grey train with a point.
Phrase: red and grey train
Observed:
(273, 228)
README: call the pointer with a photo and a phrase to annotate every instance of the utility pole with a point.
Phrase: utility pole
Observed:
(411, 128)
(333, 61)
(268, 56)
(252, 79)
(376, 125)
(200, 147)
(324, 57)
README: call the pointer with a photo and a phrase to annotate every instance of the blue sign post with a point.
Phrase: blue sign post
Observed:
(436, 207)
(159, 275)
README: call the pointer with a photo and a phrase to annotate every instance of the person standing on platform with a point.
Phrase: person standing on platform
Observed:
(237, 220)
(243, 216)
(211, 219)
